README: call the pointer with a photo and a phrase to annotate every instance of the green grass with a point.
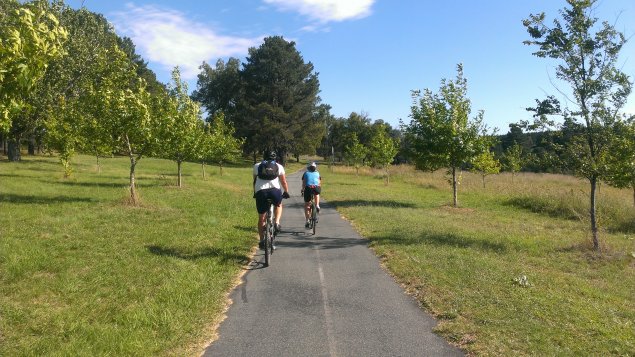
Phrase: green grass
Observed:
(463, 264)
(84, 273)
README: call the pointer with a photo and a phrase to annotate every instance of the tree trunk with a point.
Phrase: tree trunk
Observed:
(203, 168)
(483, 176)
(178, 180)
(133, 189)
(220, 165)
(387, 176)
(454, 188)
(255, 158)
(98, 165)
(13, 151)
(31, 147)
(594, 227)
(634, 195)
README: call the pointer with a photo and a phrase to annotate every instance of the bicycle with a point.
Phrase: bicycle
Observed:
(270, 233)
(313, 215)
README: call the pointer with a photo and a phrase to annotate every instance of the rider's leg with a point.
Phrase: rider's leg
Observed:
(277, 211)
(317, 201)
(307, 210)
(261, 225)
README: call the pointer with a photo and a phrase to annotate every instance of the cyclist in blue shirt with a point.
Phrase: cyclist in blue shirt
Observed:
(311, 184)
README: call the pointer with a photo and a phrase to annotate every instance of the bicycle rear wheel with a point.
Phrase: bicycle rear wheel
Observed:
(313, 217)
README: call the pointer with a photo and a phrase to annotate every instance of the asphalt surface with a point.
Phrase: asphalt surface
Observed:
(323, 295)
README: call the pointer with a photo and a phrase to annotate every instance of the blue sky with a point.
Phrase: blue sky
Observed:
(369, 54)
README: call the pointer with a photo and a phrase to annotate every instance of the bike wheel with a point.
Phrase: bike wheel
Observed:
(267, 241)
(266, 246)
(313, 217)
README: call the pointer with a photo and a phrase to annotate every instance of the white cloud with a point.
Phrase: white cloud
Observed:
(326, 10)
(168, 38)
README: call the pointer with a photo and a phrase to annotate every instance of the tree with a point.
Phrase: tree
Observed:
(223, 147)
(30, 37)
(587, 56)
(179, 124)
(382, 151)
(512, 160)
(132, 121)
(219, 89)
(621, 163)
(485, 164)
(279, 96)
(440, 133)
(73, 93)
(355, 153)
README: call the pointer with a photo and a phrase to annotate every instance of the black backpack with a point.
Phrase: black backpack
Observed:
(268, 170)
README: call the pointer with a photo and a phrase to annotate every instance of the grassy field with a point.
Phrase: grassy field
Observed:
(509, 272)
(82, 273)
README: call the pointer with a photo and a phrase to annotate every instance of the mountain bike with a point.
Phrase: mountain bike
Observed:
(270, 233)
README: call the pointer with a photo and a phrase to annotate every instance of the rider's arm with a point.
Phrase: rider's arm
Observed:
(283, 181)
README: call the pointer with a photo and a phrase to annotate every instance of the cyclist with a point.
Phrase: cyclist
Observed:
(269, 180)
(311, 184)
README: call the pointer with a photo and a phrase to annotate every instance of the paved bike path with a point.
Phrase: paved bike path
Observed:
(323, 295)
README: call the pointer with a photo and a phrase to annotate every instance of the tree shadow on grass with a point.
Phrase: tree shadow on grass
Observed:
(443, 239)
(30, 199)
(625, 227)
(210, 252)
(541, 206)
(371, 203)
(247, 229)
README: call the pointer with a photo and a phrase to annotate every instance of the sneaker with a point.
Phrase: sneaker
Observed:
(277, 228)
(307, 224)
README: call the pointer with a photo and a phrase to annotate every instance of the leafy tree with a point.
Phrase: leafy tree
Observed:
(587, 58)
(30, 37)
(621, 163)
(129, 48)
(224, 147)
(179, 124)
(382, 151)
(74, 92)
(486, 164)
(355, 153)
(513, 160)
(132, 120)
(440, 133)
(219, 89)
(272, 101)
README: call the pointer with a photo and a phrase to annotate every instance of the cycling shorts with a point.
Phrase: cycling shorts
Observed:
(275, 194)
(308, 190)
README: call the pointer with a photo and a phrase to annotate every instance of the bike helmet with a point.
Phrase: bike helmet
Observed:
(270, 155)
(312, 166)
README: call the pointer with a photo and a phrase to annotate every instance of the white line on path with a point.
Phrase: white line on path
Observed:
(327, 308)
